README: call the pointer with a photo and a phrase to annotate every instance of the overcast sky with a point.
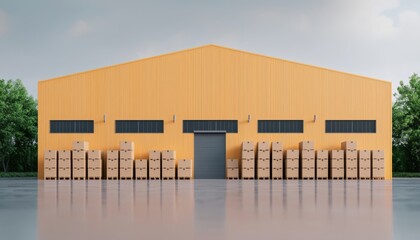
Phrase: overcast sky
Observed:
(49, 38)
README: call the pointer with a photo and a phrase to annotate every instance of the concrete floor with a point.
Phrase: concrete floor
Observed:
(209, 209)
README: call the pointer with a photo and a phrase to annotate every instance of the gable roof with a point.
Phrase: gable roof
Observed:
(215, 46)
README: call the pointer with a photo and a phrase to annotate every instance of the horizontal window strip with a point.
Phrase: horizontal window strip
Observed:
(230, 126)
(139, 126)
(350, 126)
(280, 126)
(71, 126)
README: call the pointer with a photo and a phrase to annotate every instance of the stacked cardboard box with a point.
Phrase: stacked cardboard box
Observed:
(292, 164)
(263, 160)
(232, 169)
(112, 167)
(364, 164)
(50, 164)
(126, 160)
(168, 164)
(378, 164)
(141, 168)
(248, 160)
(337, 164)
(154, 164)
(307, 157)
(79, 149)
(185, 169)
(277, 160)
(64, 164)
(94, 165)
(322, 164)
(351, 163)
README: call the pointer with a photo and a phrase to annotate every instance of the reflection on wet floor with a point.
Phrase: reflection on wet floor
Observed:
(215, 209)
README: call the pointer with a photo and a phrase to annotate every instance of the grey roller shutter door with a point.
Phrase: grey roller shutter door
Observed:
(209, 155)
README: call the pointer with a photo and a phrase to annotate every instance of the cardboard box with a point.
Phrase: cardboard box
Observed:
(308, 172)
(291, 163)
(263, 146)
(248, 155)
(184, 173)
(232, 172)
(322, 154)
(277, 173)
(126, 172)
(141, 173)
(80, 145)
(94, 172)
(168, 154)
(307, 154)
(64, 172)
(94, 154)
(263, 172)
(337, 159)
(127, 145)
(64, 155)
(263, 163)
(50, 173)
(50, 154)
(349, 145)
(184, 163)
(365, 173)
(263, 155)
(292, 172)
(79, 172)
(322, 172)
(277, 147)
(127, 154)
(248, 172)
(140, 164)
(277, 163)
(351, 163)
(154, 155)
(112, 163)
(232, 163)
(378, 154)
(307, 163)
(126, 163)
(352, 155)
(79, 162)
(112, 172)
(94, 163)
(168, 163)
(154, 163)
(50, 160)
(247, 145)
(378, 172)
(154, 173)
(277, 155)
(292, 154)
(336, 172)
(248, 163)
(351, 172)
(168, 172)
(113, 154)
(306, 145)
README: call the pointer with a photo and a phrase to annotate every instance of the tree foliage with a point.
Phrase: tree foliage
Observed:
(406, 126)
(18, 127)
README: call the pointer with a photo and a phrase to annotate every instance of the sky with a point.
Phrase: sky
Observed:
(44, 39)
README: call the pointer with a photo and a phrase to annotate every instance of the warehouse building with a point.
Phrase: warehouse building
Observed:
(204, 102)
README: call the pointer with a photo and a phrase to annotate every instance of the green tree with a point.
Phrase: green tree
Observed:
(406, 126)
(18, 127)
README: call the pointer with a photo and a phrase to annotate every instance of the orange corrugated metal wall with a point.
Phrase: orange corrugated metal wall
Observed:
(213, 82)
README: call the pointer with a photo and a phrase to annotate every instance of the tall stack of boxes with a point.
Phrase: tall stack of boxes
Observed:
(112, 157)
(79, 150)
(232, 169)
(364, 164)
(126, 160)
(378, 164)
(154, 164)
(277, 160)
(337, 164)
(351, 164)
(50, 164)
(248, 160)
(322, 164)
(140, 166)
(64, 164)
(94, 164)
(185, 169)
(168, 164)
(292, 164)
(263, 160)
(307, 159)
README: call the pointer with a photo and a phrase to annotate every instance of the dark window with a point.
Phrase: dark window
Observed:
(350, 126)
(139, 126)
(230, 126)
(280, 126)
(71, 126)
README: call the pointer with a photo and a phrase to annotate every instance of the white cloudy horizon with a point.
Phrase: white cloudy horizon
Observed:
(46, 39)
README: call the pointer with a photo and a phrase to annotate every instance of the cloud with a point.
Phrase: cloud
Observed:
(79, 28)
(4, 26)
